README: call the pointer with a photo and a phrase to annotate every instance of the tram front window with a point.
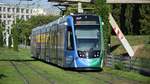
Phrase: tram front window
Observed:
(88, 41)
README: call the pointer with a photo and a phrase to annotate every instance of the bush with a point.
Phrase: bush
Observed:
(119, 65)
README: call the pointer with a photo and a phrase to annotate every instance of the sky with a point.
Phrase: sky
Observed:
(34, 3)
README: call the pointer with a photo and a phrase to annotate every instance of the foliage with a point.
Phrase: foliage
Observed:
(10, 41)
(133, 19)
(129, 75)
(119, 65)
(1, 34)
(33, 22)
(15, 35)
(22, 29)
(103, 9)
(10, 54)
(37, 72)
(118, 49)
(145, 18)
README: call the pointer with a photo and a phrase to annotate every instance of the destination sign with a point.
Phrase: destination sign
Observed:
(86, 23)
(86, 20)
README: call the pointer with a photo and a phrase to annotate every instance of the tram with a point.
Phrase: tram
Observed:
(73, 41)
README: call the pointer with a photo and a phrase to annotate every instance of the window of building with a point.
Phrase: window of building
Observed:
(13, 9)
(17, 10)
(27, 16)
(0, 8)
(8, 16)
(0, 15)
(8, 9)
(22, 10)
(4, 15)
(22, 16)
(4, 22)
(8, 30)
(27, 11)
(4, 9)
(9, 21)
(31, 11)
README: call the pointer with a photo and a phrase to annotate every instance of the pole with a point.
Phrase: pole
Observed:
(80, 9)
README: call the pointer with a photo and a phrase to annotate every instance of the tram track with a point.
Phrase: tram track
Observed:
(116, 78)
(26, 81)
(93, 77)
(28, 65)
(107, 78)
(44, 76)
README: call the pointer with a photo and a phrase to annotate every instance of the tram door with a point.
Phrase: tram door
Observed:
(60, 46)
(38, 43)
(69, 47)
(47, 46)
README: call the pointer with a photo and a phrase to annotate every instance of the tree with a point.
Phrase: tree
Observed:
(22, 29)
(145, 18)
(10, 41)
(27, 26)
(103, 9)
(135, 20)
(16, 33)
(1, 34)
(15, 37)
(128, 19)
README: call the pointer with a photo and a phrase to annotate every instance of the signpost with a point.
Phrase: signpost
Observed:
(127, 1)
(120, 36)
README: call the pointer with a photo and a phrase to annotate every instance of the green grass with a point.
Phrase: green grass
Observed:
(142, 54)
(129, 75)
(55, 75)
(10, 54)
(9, 74)
(133, 41)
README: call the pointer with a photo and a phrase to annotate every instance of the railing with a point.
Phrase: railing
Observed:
(127, 63)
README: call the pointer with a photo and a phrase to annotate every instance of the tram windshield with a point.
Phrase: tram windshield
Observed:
(88, 37)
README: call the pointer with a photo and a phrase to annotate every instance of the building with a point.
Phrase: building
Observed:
(9, 13)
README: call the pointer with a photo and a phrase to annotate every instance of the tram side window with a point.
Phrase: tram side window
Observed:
(70, 44)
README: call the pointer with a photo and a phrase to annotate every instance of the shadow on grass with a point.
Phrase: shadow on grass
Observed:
(83, 69)
(18, 60)
(2, 76)
(145, 72)
(114, 47)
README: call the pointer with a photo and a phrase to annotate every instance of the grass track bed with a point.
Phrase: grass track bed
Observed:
(37, 72)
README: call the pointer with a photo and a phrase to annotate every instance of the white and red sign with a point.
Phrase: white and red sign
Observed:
(120, 36)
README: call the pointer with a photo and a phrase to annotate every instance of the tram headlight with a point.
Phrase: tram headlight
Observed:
(81, 54)
(96, 54)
